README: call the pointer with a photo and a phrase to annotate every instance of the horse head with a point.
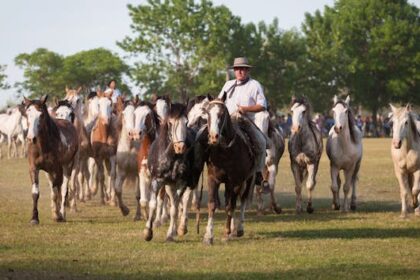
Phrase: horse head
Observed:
(145, 120)
(34, 110)
(403, 124)
(341, 113)
(64, 110)
(127, 112)
(300, 113)
(197, 110)
(177, 127)
(217, 117)
(162, 106)
(104, 107)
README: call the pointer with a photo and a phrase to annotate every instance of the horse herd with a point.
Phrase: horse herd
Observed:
(163, 147)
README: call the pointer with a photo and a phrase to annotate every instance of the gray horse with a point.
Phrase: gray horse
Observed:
(305, 149)
(344, 149)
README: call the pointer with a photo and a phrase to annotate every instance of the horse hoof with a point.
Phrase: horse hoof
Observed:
(157, 224)
(403, 216)
(310, 209)
(125, 211)
(417, 212)
(260, 213)
(335, 207)
(170, 239)
(240, 233)
(208, 241)
(137, 218)
(112, 203)
(182, 231)
(34, 222)
(148, 234)
(277, 209)
(353, 207)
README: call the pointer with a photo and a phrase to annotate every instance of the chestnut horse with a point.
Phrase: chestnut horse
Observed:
(52, 147)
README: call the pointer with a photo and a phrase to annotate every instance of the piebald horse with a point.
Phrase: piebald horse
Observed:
(405, 151)
(231, 161)
(305, 149)
(11, 129)
(344, 149)
(52, 147)
(167, 166)
(104, 140)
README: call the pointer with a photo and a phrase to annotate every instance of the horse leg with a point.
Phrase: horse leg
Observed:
(84, 178)
(348, 174)
(404, 190)
(137, 217)
(65, 174)
(144, 185)
(34, 174)
(93, 182)
(165, 207)
(297, 174)
(194, 200)
(182, 228)
(335, 187)
(244, 200)
(354, 185)
(74, 188)
(160, 201)
(9, 146)
(173, 197)
(211, 205)
(148, 231)
(100, 179)
(310, 185)
(272, 173)
(55, 201)
(110, 191)
(415, 190)
(260, 201)
(229, 194)
(121, 175)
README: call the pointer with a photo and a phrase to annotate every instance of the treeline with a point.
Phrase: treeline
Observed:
(369, 49)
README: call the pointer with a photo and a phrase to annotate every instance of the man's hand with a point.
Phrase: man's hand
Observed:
(242, 109)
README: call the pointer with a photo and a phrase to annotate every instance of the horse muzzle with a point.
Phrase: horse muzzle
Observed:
(180, 148)
(396, 143)
(338, 129)
(31, 140)
(214, 138)
(295, 128)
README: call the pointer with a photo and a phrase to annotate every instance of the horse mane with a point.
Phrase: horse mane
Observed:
(65, 103)
(91, 95)
(196, 100)
(351, 119)
(177, 110)
(412, 120)
(154, 113)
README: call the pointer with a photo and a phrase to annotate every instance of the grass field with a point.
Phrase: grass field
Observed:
(99, 243)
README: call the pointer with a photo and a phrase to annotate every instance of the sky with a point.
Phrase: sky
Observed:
(67, 27)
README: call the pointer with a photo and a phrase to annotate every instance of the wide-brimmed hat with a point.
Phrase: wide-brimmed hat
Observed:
(241, 62)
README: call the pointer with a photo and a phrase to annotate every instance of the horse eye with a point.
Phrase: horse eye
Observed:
(406, 122)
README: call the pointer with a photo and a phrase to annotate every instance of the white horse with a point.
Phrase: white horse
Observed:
(405, 151)
(344, 149)
(12, 130)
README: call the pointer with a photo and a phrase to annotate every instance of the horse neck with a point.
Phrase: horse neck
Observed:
(412, 140)
(48, 132)
(124, 140)
(228, 131)
(101, 131)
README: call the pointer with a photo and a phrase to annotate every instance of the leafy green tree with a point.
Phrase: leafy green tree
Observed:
(183, 45)
(42, 73)
(369, 47)
(46, 72)
(3, 76)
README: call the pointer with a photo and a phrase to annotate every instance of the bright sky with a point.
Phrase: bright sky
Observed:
(67, 27)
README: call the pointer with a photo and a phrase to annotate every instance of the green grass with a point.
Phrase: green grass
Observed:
(99, 243)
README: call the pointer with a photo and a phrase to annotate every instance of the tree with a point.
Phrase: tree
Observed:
(183, 45)
(46, 72)
(92, 68)
(3, 83)
(369, 47)
(42, 72)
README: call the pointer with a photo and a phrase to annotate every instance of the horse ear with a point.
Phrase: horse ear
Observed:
(293, 99)
(392, 108)
(136, 100)
(79, 89)
(44, 98)
(224, 96)
(335, 99)
(209, 97)
(67, 89)
(348, 100)
(26, 101)
(408, 107)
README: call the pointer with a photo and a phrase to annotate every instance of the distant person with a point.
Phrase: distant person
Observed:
(113, 91)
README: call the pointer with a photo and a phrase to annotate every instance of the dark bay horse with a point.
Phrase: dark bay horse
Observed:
(305, 149)
(53, 145)
(231, 161)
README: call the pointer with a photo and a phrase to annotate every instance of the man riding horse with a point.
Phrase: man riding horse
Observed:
(246, 96)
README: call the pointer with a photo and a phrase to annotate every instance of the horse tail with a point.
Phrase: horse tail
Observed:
(197, 208)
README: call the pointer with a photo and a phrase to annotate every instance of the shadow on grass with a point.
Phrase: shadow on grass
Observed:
(352, 233)
(333, 271)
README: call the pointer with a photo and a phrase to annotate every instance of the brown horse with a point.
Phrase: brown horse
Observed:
(232, 154)
(53, 145)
